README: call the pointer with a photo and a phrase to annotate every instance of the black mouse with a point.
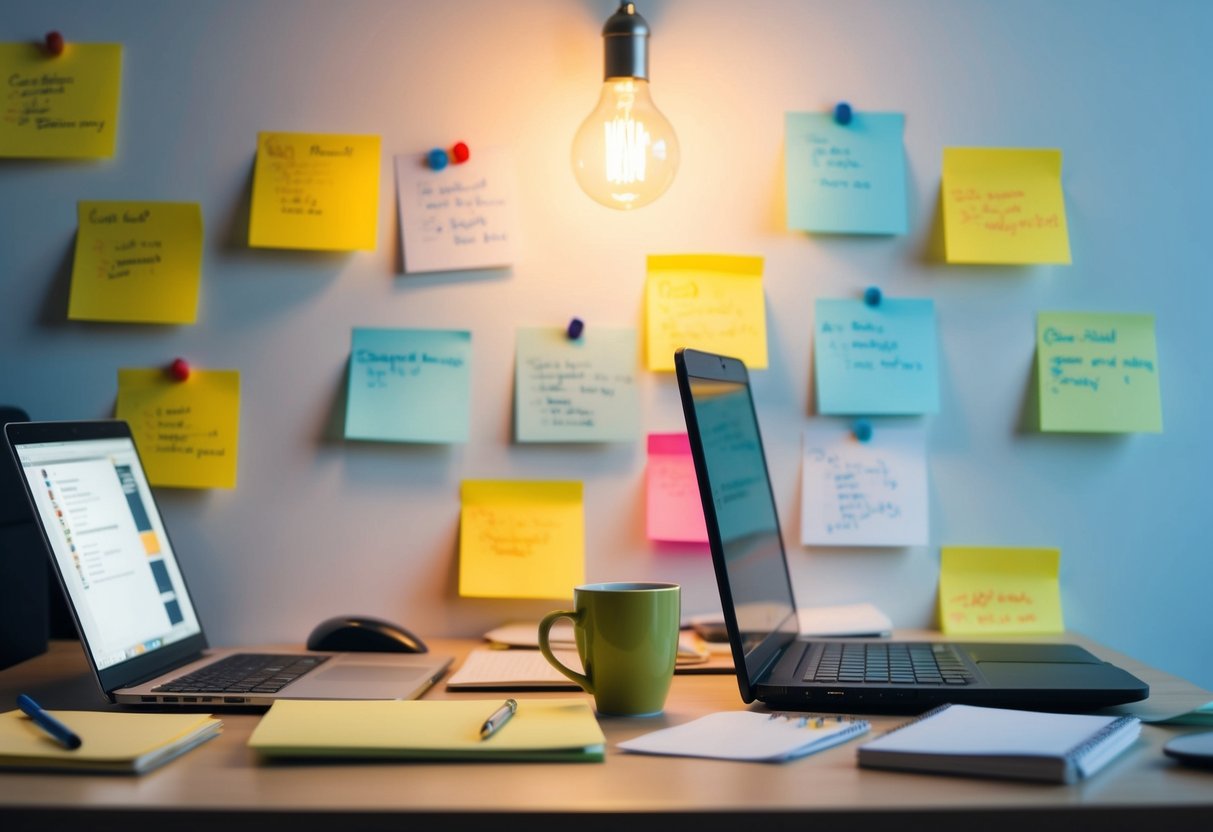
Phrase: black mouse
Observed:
(363, 634)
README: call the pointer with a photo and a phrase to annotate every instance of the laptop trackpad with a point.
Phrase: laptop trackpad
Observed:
(1014, 675)
(353, 672)
(1032, 653)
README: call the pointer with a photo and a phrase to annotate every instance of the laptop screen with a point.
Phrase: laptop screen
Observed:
(114, 557)
(745, 527)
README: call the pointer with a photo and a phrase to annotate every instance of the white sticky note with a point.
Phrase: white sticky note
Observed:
(460, 217)
(871, 493)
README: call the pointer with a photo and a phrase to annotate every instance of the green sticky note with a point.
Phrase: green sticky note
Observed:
(1098, 373)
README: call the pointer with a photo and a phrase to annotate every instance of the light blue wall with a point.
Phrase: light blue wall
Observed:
(319, 526)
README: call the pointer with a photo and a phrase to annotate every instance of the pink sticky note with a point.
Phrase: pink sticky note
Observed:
(673, 510)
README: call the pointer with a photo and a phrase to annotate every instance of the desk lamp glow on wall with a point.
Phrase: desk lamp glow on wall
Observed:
(625, 153)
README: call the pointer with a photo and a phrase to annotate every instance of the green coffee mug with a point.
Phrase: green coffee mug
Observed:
(627, 638)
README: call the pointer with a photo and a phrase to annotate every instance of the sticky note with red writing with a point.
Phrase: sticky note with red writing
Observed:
(1004, 206)
(999, 590)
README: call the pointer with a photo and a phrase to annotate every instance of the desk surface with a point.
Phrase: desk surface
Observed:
(1142, 787)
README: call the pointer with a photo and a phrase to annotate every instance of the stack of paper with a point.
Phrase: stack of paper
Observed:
(748, 735)
(496, 669)
(547, 729)
(111, 741)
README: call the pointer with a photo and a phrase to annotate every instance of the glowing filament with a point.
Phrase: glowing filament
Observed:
(627, 143)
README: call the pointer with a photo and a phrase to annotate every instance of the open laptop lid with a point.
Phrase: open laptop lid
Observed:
(739, 509)
(111, 553)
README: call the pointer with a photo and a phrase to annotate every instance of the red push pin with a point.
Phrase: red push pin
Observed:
(179, 369)
(54, 43)
(460, 153)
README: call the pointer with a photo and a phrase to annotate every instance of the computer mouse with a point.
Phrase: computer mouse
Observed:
(1193, 749)
(363, 634)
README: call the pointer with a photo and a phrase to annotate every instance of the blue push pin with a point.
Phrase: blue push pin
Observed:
(872, 296)
(843, 114)
(437, 159)
(576, 327)
(863, 430)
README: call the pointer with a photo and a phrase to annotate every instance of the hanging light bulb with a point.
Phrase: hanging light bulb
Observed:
(625, 153)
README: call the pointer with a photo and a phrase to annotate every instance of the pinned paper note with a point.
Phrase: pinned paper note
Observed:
(864, 493)
(1098, 373)
(708, 302)
(315, 191)
(409, 385)
(521, 539)
(187, 432)
(460, 217)
(137, 261)
(876, 360)
(999, 590)
(576, 390)
(1004, 206)
(846, 179)
(60, 107)
(673, 511)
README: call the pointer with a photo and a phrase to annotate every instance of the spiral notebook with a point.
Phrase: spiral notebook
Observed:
(995, 742)
(748, 735)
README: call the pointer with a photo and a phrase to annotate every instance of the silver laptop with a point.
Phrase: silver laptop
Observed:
(774, 664)
(123, 583)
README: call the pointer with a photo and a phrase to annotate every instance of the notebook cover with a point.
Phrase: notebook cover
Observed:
(545, 729)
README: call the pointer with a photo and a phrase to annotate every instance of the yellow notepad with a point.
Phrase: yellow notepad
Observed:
(542, 729)
(112, 741)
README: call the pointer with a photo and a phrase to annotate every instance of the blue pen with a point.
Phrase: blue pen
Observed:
(62, 734)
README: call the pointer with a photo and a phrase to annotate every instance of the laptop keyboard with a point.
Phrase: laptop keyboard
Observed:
(244, 673)
(889, 663)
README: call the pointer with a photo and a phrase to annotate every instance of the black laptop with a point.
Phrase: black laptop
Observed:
(778, 667)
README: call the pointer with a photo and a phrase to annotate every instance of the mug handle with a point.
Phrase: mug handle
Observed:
(545, 627)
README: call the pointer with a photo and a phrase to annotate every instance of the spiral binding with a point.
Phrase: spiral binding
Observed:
(1088, 745)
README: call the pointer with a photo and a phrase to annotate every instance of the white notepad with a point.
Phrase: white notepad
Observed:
(488, 669)
(751, 736)
(999, 742)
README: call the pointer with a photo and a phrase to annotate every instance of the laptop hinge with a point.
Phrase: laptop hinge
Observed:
(769, 666)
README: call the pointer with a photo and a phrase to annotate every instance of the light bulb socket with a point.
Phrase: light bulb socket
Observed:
(625, 40)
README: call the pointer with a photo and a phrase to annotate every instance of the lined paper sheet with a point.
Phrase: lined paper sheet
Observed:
(489, 669)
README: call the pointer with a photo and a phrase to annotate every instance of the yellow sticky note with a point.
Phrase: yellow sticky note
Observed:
(999, 590)
(521, 539)
(137, 261)
(708, 302)
(60, 107)
(187, 432)
(1004, 206)
(315, 191)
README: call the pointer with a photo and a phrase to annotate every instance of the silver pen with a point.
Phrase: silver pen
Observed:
(498, 718)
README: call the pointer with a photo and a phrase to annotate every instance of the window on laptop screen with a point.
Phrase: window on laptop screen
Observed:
(745, 509)
(110, 546)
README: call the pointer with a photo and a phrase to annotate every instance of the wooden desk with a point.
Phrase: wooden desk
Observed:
(222, 784)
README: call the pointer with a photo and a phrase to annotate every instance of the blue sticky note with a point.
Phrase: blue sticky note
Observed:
(409, 385)
(876, 360)
(846, 179)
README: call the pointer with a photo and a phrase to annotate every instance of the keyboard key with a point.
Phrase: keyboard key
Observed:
(246, 672)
